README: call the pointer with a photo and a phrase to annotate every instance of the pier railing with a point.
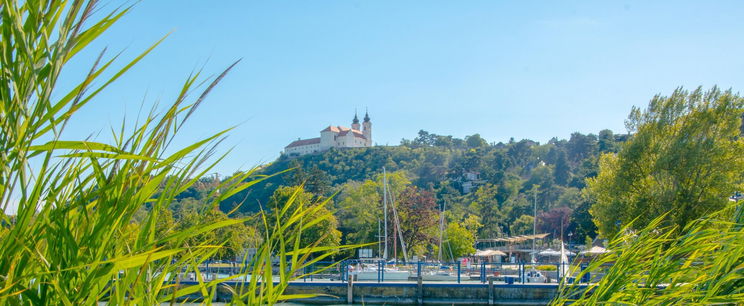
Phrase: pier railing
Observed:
(451, 272)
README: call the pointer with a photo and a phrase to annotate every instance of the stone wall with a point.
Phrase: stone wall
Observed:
(411, 293)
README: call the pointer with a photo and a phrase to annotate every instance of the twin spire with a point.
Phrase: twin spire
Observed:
(356, 119)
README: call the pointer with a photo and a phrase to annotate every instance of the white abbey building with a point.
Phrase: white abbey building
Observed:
(334, 137)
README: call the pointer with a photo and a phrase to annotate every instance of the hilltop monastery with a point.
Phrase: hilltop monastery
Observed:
(334, 137)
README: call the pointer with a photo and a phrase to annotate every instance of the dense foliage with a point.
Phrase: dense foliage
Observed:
(666, 198)
(684, 159)
(489, 189)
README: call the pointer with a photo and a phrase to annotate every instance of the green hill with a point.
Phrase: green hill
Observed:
(495, 182)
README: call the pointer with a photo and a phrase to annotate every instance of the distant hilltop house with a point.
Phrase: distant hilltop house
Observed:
(470, 181)
(334, 137)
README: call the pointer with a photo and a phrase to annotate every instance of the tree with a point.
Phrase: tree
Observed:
(570, 197)
(418, 216)
(580, 222)
(684, 159)
(459, 242)
(360, 210)
(235, 238)
(475, 141)
(325, 231)
(562, 171)
(424, 139)
(317, 182)
(523, 225)
(581, 146)
(485, 204)
(607, 142)
(520, 151)
(472, 224)
(554, 221)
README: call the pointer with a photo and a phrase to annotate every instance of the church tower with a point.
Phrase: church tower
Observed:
(367, 129)
(355, 123)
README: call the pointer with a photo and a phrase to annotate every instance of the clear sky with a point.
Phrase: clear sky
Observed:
(522, 69)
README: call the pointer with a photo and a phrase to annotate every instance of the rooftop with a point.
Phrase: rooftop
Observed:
(303, 142)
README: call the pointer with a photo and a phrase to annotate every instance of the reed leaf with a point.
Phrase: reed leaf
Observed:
(74, 238)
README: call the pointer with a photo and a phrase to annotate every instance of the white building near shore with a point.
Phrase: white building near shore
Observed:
(334, 137)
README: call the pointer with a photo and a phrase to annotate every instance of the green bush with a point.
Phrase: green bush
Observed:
(547, 268)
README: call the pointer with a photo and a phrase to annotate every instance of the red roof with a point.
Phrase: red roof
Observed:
(357, 133)
(342, 131)
(335, 129)
(303, 142)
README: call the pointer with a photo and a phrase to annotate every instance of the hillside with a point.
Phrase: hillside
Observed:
(496, 182)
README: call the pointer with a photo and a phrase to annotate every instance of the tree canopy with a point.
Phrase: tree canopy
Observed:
(683, 158)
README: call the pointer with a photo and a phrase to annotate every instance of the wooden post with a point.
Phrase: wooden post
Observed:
(350, 290)
(490, 291)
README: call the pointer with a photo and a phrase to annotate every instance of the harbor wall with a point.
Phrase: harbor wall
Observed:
(427, 293)
(413, 293)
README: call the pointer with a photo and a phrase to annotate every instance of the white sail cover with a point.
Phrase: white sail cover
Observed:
(563, 271)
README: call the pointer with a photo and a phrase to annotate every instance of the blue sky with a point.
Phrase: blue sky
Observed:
(522, 69)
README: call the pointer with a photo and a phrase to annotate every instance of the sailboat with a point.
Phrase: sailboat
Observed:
(441, 272)
(563, 267)
(534, 276)
(371, 269)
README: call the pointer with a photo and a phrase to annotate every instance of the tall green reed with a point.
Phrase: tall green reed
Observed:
(72, 240)
(701, 264)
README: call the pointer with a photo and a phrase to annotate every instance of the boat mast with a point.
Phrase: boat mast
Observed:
(441, 230)
(384, 211)
(400, 233)
(379, 237)
(534, 227)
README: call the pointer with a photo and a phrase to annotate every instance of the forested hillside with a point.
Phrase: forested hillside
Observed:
(488, 188)
(682, 162)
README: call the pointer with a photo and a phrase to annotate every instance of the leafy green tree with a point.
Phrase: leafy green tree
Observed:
(581, 146)
(472, 224)
(542, 176)
(587, 169)
(520, 152)
(562, 171)
(475, 141)
(570, 197)
(424, 139)
(360, 211)
(235, 238)
(580, 222)
(317, 182)
(523, 225)
(486, 206)
(460, 242)
(684, 158)
(607, 142)
(326, 232)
